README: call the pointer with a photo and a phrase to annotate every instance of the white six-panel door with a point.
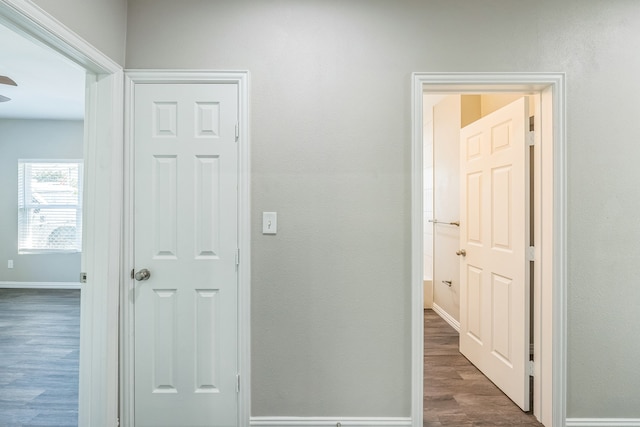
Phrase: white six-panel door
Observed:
(494, 232)
(186, 235)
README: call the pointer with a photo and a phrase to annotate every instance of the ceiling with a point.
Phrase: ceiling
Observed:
(50, 86)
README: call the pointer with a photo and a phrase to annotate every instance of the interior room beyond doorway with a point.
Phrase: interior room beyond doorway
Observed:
(444, 117)
(441, 198)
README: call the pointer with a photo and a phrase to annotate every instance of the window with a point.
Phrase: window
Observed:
(49, 206)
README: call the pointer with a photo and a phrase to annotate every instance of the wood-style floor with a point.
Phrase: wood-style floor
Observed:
(456, 393)
(39, 343)
(39, 347)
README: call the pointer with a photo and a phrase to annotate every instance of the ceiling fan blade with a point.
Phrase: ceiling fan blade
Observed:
(7, 81)
(4, 99)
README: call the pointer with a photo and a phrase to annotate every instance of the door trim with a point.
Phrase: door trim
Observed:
(330, 422)
(551, 87)
(241, 79)
(98, 385)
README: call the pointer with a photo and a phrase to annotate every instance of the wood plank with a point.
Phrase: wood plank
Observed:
(39, 347)
(456, 394)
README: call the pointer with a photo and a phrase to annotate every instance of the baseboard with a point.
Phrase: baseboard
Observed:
(40, 285)
(330, 421)
(603, 422)
(446, 317)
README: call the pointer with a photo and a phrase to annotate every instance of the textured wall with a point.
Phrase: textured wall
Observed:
(33, 139)
(330, 104)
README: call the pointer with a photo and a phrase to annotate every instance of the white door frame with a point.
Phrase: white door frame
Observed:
(98, 388)
(241, 79)
(551, 268)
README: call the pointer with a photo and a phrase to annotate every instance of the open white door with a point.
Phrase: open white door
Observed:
(494, 232)
(186, 237)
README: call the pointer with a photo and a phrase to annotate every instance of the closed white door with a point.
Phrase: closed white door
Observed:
(186, 210)
(494, 232)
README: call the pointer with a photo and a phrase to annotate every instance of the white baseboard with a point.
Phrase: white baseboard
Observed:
(446, 317)
(40, 285)
(403, 422)
(330, 421)
(603, 422)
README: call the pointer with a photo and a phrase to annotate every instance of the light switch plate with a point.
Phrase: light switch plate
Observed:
(269, 222)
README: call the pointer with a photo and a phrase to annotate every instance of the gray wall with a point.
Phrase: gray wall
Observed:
(330, 103)
(100, 22)
(33, 139)
(330, 128)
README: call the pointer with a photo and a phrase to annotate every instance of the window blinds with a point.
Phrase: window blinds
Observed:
(49, 206)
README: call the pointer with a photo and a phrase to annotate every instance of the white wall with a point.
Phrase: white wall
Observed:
(103, 23)
(446, 204)
(427, 197)
(331, 138)
(33, 139)
(427, 173)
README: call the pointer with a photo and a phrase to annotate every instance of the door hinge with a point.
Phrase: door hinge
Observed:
(238, 383)
(237, 257)
(531, 139)
(531, 253)
(237, 132)
(531, 368)
(83, 277)
(118, 422)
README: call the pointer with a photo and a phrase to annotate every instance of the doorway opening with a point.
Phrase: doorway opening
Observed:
(480, 226)
(102, 201)
(41, 164)
(548, 201)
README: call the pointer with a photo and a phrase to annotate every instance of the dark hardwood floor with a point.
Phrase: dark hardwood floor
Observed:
(39, 347)
(456, 393)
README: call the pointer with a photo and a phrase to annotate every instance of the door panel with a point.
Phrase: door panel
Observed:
(473, 323)
(186, 175)
(494, 295)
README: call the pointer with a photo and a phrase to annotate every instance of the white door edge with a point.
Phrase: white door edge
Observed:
(241, 78)
(98, 396)
(552, 333)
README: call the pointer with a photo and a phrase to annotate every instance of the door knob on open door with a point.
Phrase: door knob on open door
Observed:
(143, 274)
(461, 252)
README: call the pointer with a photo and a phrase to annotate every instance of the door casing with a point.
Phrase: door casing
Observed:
(240, 78)
(550, 265)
